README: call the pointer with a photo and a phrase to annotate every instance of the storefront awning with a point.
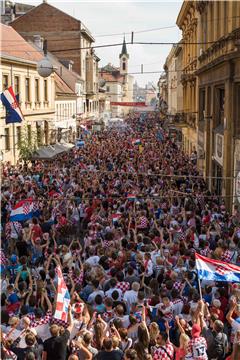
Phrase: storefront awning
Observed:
(50, 152)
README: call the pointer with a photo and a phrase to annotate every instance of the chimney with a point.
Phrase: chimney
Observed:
(38, 41)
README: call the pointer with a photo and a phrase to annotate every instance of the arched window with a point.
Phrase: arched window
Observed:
(124, 65)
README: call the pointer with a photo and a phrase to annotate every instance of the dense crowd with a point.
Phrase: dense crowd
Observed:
(123, 217)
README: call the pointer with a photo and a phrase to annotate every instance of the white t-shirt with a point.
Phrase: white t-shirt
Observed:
(110, 291)
(235, 327)
(93, 260)
(92, 296)
(130, 297)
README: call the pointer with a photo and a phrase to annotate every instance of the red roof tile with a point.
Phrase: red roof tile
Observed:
(12, 44)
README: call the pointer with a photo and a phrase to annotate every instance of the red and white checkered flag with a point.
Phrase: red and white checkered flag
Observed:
(63, 298)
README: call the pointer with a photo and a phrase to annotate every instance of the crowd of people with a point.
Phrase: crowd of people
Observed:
(123, 217)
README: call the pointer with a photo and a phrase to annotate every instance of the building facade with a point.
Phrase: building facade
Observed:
(187, 21)
(219, 96)
(65, 111)
(36, 95)
(173, 66)
(119, 84)
(63, 33)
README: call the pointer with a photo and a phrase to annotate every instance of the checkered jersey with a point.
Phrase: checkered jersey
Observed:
(226, 256)
(77, 279)
(165, 352)
(107, 315)
(3, 258)
(177, 285)
(123, 285)
(197, 349)
(15, 226)
(143, 223)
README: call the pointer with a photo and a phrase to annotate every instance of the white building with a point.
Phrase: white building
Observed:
(119, 84)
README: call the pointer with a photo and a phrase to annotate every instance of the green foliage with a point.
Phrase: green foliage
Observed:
(27, 145)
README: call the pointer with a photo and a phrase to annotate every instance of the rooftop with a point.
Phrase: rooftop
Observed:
(19, 47)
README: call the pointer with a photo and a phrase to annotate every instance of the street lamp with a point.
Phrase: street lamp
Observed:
(44, 66)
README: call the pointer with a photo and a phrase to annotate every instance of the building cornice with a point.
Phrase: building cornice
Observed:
(183, 12)
(14, 59)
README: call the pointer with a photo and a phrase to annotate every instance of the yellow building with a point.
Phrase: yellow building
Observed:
(187, 21)
(219, 96)
(36, 95)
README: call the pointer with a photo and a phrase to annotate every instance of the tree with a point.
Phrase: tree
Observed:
(27, 145)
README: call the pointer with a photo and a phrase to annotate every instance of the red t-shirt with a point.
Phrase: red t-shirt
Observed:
(36, 232)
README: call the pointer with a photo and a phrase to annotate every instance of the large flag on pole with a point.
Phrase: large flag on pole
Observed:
(24, 210)
(11, 103)
(216, 270)
(63, 298)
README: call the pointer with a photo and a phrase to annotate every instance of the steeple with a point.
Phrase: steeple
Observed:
(124, 49)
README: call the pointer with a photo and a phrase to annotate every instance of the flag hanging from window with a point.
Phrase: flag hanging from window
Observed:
(11, 103)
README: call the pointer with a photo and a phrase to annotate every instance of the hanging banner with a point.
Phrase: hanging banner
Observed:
(116, 103)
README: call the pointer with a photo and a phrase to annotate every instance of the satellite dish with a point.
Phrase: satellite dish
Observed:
(45, 68)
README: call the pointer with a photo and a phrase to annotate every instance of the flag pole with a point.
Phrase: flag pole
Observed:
(199, 287)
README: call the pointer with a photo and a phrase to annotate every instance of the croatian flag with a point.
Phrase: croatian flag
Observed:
(13, 111)
(216, 270)
(115, 218)
(136, 142)
(131, 197)
(63, 298)
(24, 210)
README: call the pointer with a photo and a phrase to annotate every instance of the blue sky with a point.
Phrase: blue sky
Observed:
(119, 17)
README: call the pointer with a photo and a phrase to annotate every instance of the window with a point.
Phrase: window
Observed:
(45, 90)
(220, 106)
(5, 82)
(7, 139)
(108, 88)
(29, 133)
(27, 90)
(18, 136)
(124, 66)
(201, 104)
(37, 90)
(16, 85)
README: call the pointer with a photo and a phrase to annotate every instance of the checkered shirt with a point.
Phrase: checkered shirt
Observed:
(3, 259)
(177, 285)
(205, 252)
(43, 321)
(16, 226)
(197, 349)
(164, 354)
(107, 315)
(226, 256)
(143, 223)
(123, 285)
(77, 279)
